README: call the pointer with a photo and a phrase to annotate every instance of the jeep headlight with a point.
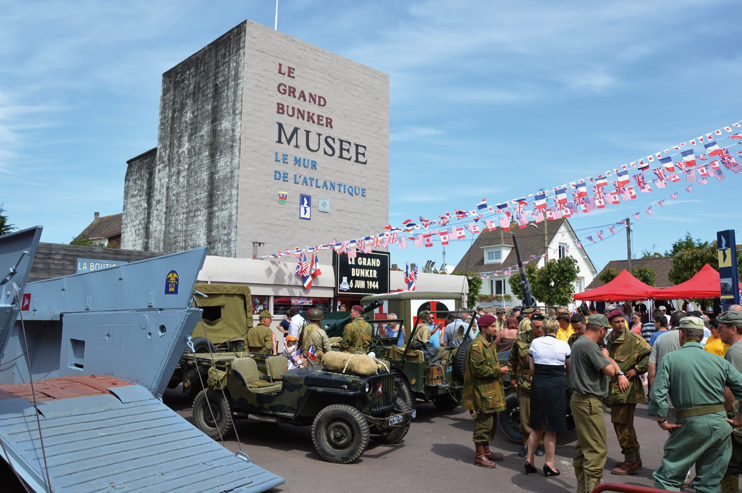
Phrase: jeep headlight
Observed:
(368, 387)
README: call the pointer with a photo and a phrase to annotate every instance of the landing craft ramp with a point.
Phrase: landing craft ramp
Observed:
(102, 345)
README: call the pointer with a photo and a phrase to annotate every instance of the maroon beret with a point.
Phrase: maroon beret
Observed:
(486, 320)
(615, 313)
(358, 308)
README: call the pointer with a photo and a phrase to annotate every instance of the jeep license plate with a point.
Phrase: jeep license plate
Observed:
(396, 419)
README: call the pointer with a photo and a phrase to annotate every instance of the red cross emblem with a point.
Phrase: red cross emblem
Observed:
(26, 303)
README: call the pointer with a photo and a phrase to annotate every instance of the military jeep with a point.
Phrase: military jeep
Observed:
(344, 410)
(416, 378)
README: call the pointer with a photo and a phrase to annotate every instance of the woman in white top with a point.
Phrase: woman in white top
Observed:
(549, 357)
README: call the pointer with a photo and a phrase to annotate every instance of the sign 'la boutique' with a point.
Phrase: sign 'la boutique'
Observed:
(366, 273)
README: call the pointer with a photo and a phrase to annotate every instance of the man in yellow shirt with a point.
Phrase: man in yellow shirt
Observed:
(714, 345)
(565, 328)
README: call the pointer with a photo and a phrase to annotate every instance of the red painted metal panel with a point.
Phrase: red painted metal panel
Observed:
(62, 388)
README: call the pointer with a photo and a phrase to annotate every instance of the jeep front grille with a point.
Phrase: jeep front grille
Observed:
(382, 394)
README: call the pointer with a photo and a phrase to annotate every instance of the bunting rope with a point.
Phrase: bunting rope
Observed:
(694, 161)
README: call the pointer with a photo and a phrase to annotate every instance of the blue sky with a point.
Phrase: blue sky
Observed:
(487, 99)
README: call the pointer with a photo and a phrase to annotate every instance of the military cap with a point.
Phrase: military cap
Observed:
(486, 320)
(536, 317)
(731, 318)
(528, 310)
(265, 314)
(614, 313)
(599, 320)
(357, 308)
(691, 323)
(501, 310)
(563, 315)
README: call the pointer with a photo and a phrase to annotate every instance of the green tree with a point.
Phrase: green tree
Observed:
(475, 285)
(514, 280)
(554, 284)
(688, 262)
(5, 226)
(608, 275)
(686, 243)
(645, 275)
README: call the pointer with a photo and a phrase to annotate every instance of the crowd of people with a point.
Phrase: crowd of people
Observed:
(690, 364)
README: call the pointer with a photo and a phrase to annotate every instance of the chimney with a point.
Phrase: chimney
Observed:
(97, 216)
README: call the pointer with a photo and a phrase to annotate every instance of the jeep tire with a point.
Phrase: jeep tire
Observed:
(403, 390)
(459, 362)
(340, 433)
(217, 421)
(509, 419)
(202, 345)
(397, 434)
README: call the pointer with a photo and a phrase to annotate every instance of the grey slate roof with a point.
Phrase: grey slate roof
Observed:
(661, 266)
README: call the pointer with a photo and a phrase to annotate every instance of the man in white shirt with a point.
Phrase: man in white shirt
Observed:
(297, 321)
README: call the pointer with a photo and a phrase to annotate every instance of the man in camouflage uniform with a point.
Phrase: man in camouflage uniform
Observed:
(260, 339)
(521, 376)
(357, 334)
(631, 351)
(313, 335)
(525, 324)
(484, 395)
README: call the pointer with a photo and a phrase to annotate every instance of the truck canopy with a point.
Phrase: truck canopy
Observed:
(227, 312)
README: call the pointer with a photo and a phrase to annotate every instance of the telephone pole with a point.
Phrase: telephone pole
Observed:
(628, 240)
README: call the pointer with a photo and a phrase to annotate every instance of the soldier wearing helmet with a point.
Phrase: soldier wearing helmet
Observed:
(260, 339)
(313, 335)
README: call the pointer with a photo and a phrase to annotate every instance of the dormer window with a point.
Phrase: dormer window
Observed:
(493, 256)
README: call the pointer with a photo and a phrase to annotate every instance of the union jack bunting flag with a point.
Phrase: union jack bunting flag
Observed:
(702, 157)
(661, 173)
(376, 241)
(681, 166)
(521, 204)
(478, 217)
(643, 186)
(674, 178)
(460, 214)
(729, 162)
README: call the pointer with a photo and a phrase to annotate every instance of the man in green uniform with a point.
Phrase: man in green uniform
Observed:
(484, 395)
(357, 334)
(521, 376)
(631, 352)
(312, 335)
(525, 324)
(501, 320)
(578, 325)
(730, 331)
(260, 339)
(694, 379)
(589, 374)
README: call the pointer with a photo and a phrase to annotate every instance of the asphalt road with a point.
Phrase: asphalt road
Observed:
(436, 455)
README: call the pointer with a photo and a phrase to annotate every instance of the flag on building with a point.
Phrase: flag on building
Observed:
(315, 271)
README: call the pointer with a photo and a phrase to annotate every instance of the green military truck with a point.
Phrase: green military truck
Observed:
(416, 378)
(344, 409)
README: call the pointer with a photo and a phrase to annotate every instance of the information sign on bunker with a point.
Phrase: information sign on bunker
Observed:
(366, 273)
(728, 268)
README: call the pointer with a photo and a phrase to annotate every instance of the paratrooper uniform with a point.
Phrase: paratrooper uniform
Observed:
(484, 395)
(631, 351)
(520, 369)
(314, 335)
(357, 336)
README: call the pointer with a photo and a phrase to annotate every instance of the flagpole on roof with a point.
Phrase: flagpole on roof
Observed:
(275, 26)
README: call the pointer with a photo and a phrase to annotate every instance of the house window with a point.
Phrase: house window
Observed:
(579, 286)
(562, 250)
(498, 286)
(493, 256)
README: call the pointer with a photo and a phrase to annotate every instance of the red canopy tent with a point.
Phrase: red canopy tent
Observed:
(704, 285)
(624, 287)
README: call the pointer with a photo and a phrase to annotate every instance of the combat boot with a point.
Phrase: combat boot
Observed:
(638, 461)
(730, 484)
(626, 469)
(481, 459)
(489, 454)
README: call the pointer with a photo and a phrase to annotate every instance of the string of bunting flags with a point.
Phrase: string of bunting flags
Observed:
(697, 160)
